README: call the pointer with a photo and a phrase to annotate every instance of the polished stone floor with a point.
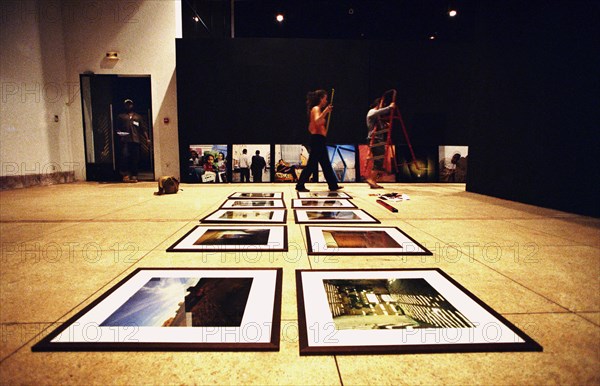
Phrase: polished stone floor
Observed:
(64, 245)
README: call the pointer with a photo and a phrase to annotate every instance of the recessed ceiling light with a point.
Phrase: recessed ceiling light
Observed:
(279, 17)
(452, 13)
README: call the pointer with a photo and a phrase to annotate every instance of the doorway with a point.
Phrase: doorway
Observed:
(102, 98)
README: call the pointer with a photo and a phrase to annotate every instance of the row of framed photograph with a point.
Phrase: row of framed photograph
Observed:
(210, 163)
(330, 240)
(367, 311)
(352, 311)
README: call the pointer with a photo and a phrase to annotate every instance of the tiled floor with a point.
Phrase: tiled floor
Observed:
(64, 245)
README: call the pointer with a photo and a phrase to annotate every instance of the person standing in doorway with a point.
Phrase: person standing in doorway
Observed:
(132, 130)
(244, 163)
(317, 114)
(258, 165)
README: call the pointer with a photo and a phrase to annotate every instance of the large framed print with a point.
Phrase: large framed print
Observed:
(255, 203)
(255, 163)
(327, 216)
(246, 216)
(216, 238)
(324, 194)
(256, 195)
(320, 203)
(179, 309)
(381, 240)
(396, 311)
(207, 163)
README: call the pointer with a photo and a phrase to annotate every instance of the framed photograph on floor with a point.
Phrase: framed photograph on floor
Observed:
(215, 238)
(324, 194)
(250, 216)
(254, 204)
(256, 195)
(179, 309)
(320, 203)
(332, 240)
(397, 311)
(320, 216)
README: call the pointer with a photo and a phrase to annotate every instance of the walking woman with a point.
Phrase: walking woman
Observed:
(317, 118)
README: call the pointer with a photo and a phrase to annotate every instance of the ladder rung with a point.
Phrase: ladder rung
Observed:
(378, 157)
(381, 131)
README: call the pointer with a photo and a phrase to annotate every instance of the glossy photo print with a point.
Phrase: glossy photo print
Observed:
(343, 162)
(246, 216)
(453, 163)
(207, 163)
(289, 162)
(319, 203)
(255, 203)
(380, 240)
(232, 238)
(397, 311)
(366, 165)
(323, 195)
(421, 168)
(341, 215)
(253, 165)
(172, 309)
(256, 195)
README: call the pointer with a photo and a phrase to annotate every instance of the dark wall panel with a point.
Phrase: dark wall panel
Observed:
(527, 107)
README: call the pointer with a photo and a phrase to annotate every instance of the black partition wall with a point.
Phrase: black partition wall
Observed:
(524, 107)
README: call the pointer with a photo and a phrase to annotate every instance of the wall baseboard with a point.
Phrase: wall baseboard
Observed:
(27, 180)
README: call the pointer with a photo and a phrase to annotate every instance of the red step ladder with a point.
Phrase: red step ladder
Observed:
(390, 164)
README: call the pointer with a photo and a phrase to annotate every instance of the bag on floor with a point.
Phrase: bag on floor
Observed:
(167, 185)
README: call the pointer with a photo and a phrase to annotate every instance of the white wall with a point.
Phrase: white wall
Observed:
(47, 44)
(33, 91)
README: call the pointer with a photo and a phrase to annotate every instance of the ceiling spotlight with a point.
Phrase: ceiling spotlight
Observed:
(279, 17)
(196, 19)
(452, 13)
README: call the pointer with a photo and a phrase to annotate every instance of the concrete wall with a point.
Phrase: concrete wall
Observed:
(47, 44)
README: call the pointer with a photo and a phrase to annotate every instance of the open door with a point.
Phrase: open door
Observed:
(102, 98)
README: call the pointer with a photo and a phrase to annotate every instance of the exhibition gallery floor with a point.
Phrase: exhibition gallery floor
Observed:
(63, 246)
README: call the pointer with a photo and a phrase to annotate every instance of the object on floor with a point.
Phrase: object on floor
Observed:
(397, 311)
(379, 240)
(214, 238)
(249, 216)
(320, 216)
(172, 309)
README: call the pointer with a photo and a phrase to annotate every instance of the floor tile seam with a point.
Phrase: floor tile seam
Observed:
(33, 238)
(521, 284)
(154, 249)
(566, 312)
(587, 320)
(64, 316)
(408, 221)
(514, 281)
(337, 367)
(550, 234)
(123, 208)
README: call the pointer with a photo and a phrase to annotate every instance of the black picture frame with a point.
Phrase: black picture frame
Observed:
(279, 216)
(316, 338)
(255, 195)
(299, 203)
(316, 195)
(407, 246)
(276, 240)
(363, 217)
(253, 204)
(151, 340)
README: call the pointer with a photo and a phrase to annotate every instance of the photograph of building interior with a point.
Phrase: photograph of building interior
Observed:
(491, 145)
